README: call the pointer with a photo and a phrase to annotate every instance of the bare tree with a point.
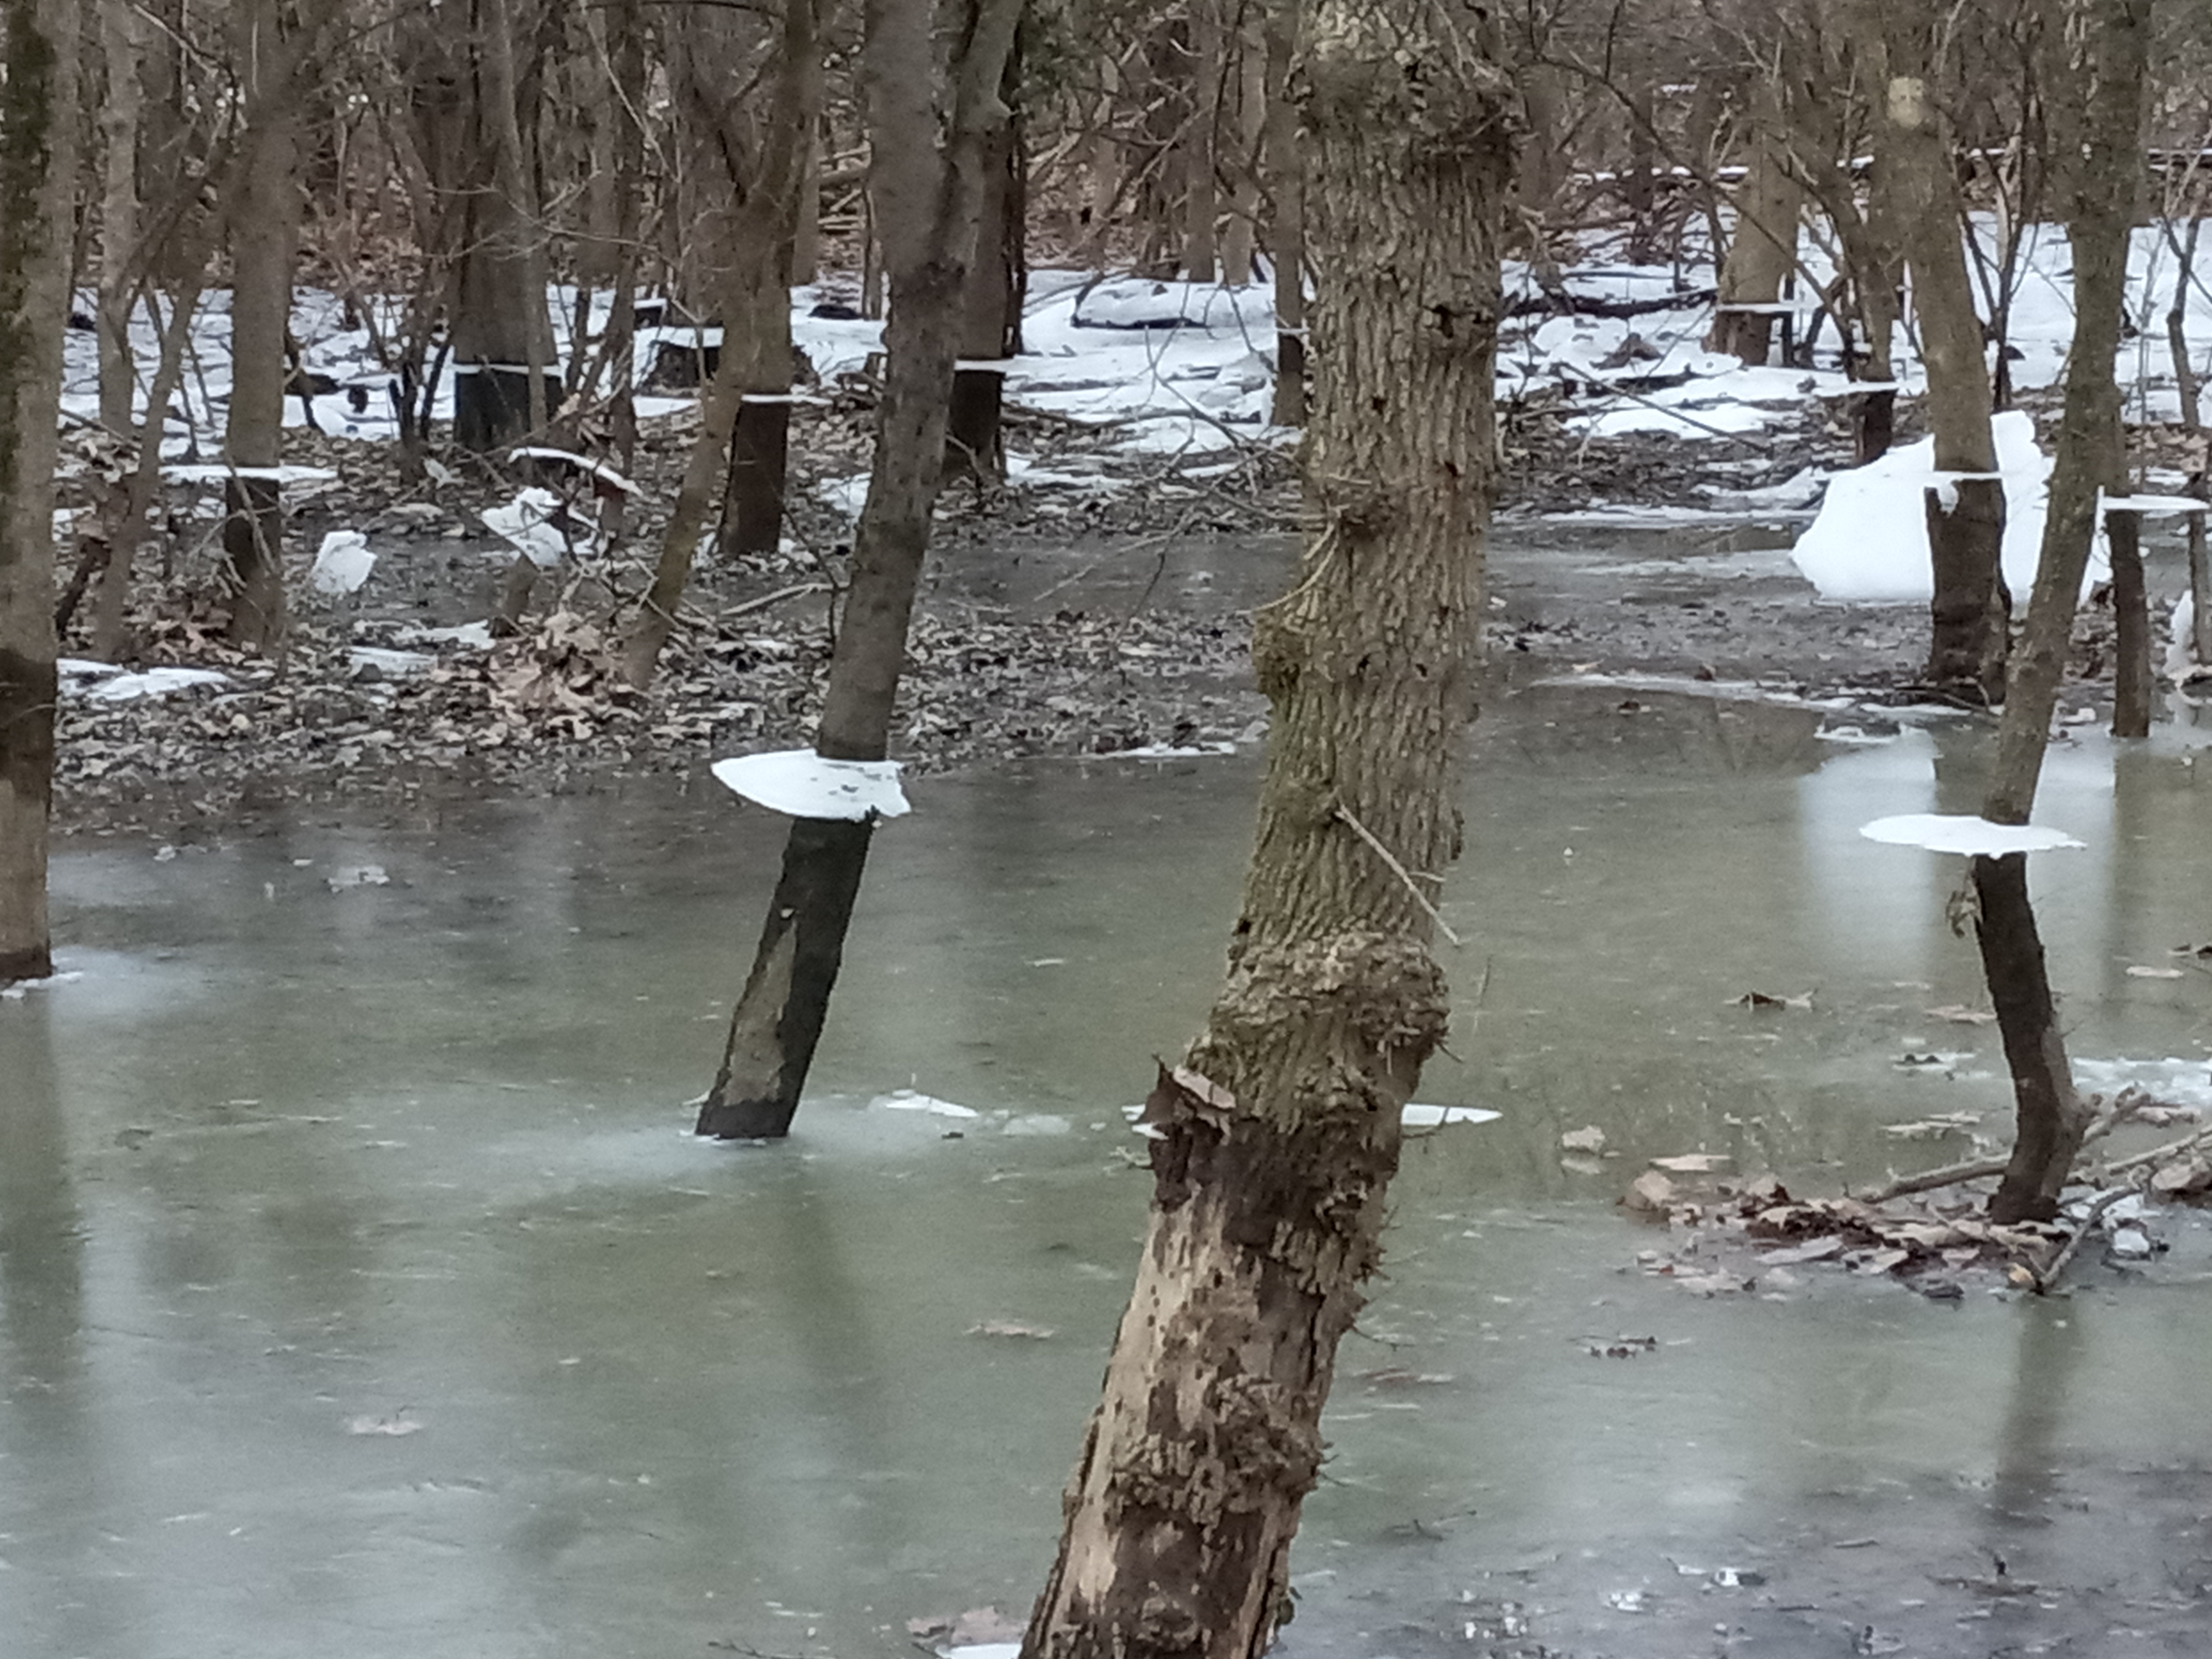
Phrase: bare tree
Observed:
(1278, 1133)
(927, 182)
(2096, 82)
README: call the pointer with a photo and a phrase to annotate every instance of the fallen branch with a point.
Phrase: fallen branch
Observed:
(1974, 1169)
(2045, 1278)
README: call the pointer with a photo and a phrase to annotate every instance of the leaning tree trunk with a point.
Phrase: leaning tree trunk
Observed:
(38, 168)
(1970, 612)
(1278, 1133)
(928, 189)
(2097, 123)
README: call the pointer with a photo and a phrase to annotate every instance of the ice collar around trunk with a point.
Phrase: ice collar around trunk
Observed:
(1957, 833)
(800, 783)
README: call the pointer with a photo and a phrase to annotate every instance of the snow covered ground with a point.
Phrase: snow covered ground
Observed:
(1181, 372)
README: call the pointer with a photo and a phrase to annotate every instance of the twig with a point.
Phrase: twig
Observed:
(2046, 1277)
(1399, 871)
(2157, 1154)
(766, 599)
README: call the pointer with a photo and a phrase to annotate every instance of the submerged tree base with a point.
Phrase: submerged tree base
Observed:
(779, 1019)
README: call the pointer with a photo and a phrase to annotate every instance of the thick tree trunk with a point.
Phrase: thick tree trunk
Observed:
(1970, 611)
(1279, 1133)
(2097, 123)
(38, 172)
(928, 184)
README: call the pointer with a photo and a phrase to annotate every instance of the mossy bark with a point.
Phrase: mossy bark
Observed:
(1278, 1133)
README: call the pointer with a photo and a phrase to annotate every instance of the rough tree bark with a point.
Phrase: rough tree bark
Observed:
(1280, 1131)
(2096, 115)
(927, 182)
(1970, 612)
(38, 172)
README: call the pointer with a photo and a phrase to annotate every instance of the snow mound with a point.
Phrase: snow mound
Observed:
(800, 783)
(1869, 541)
(153, 682)
(1957, 833)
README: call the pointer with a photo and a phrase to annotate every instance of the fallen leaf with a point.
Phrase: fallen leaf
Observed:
(1652, 1193)
(1882, 1262)
(1589, 1140)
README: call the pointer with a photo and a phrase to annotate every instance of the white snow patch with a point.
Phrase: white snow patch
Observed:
(473, 636)
(1418, 1115)
(912, 1100)
(2173, 1081)
(1170, 751)
(1954, 832)
(153, 682)
(396, 664)
(16, 989)
(217, 473)
(1869, 541)
(531, 525)
(342, 563)
(802, 783)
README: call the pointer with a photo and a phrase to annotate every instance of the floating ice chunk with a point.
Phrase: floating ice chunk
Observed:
(153, 682)
(800, 783)
(1957, 833)
(342, 563)
(912, 1100)
(1417, 1115)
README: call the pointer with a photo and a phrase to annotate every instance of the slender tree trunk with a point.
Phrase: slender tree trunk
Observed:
(1970, 611)
(135, 494)
(991, 313)
(2132, 681)
(929, 190)
(1250, 81)
(121, 30)
(2096, 121)
(2193, 423)
(37, 172)
(1286, 218)
(1200, 139)
(262, 208)
(1278, 1133)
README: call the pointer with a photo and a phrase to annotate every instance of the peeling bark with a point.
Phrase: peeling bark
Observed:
(1278, 1133)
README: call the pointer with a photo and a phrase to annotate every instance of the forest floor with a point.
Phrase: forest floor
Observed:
(1099, 604)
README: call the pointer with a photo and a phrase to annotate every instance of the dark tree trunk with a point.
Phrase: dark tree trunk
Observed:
(1286, 236)
(1972, 610)
(1277, 1136)
(2132, 683)
(2052, 1116)
(760, 445)
(991, 310)
(928, 185)
(786, 996)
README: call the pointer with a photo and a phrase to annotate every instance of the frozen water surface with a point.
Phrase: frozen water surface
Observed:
(362, 1292)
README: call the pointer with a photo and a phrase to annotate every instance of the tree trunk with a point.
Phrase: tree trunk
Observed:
(1286, 242)
(991, 311)
(1200, 139)
(1970, 611)
(1765, 250)
(38, 172)
(262, 210)
(928, 185)
(2096, 121)
(2132, 682)
(121, 32)
(1278, 1135)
